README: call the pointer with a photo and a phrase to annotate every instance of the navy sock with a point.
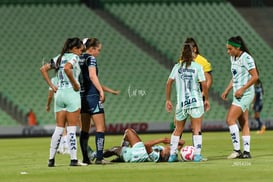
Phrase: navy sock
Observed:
(99, 145)
(259, 123)
(84, 136)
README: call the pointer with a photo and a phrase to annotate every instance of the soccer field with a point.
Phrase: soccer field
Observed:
(25, 160)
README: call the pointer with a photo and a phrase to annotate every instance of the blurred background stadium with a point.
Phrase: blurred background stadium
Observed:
(141, 41)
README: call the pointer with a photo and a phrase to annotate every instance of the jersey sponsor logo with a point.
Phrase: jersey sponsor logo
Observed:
(180, 70)
(188, 102)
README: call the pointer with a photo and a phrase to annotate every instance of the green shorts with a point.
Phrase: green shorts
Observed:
(244, 102)
(137, 153)
(182, 114)
(67, 99)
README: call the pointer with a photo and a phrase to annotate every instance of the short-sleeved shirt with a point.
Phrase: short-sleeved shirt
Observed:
(240, 68)
(63, 80)
(87, 86)
(204, 63)
(187, 84)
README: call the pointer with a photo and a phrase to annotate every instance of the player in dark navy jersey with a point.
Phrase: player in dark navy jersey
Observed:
(92, 98)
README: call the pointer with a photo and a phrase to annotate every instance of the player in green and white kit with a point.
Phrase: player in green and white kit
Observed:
(63, 146)
(133, 149)
(67, 97)
(244, 75)
(187, 75)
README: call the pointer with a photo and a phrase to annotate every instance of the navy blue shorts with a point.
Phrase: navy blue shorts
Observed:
(91, 104)
(258, 107)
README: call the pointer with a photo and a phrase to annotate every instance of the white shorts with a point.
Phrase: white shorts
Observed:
(182, 114)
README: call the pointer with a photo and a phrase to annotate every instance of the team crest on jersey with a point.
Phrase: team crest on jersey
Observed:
(64, 61)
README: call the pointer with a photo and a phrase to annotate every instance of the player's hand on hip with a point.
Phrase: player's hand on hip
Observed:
(76, 87)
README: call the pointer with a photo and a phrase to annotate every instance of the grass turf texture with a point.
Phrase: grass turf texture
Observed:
(25, 160)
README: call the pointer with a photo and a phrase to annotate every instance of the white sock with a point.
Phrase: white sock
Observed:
(55, 141)
(246, 142)
(65, 143)
(72, 141)
(197, 143)
(174, 144)
(235, 136)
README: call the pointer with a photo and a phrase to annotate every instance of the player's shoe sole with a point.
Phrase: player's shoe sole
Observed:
(102, 162)
(77, 163)
(235, 154)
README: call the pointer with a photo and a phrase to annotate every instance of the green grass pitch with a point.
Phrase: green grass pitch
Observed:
(25, 160)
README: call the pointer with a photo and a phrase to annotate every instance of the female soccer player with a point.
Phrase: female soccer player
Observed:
(67, 101)
(244, 75)
(187, 74)
(63, 146)
(133, 149)
(92, 98)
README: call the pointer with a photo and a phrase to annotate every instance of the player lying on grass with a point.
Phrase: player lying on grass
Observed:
(133, 149)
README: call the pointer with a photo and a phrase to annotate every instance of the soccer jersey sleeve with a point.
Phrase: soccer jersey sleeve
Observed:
(249, 62)
(204, 63)
(91, 61)
(174, 72)
(74, 59)
(53, 62)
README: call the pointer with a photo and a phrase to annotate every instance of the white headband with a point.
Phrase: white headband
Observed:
(84, 40)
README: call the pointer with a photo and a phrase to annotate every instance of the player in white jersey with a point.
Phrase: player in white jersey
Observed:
(244, 75)
(133, 149)
(187, 75)
(67, 97)
(63, 146)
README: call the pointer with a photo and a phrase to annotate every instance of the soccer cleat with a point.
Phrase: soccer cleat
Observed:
(173, 158)
(197, 158)
(246, 155)
(103, 161)
(76, 163)
(112, 151)
(235, 154)
(91, 154)
(262, 129)
(87, 161)
(51, 162)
